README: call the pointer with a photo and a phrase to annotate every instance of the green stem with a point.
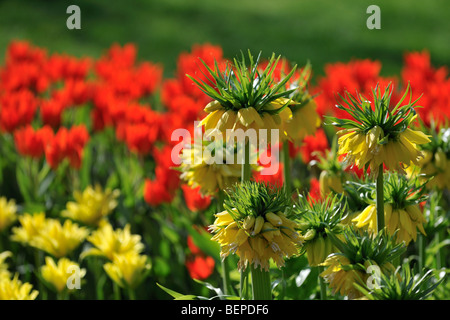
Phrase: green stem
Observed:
(131, 294)
(261, 286)
(421, 245)
(116, 290)
(62, 295)
(287, 168)
(245, 176)
(380, 199)
(322, 285)
(440, 261)
(37, 266)
(225, 267)
(283, 285)
(243, 285)
(246, 167)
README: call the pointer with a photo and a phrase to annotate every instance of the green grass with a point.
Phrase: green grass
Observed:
(319, 30)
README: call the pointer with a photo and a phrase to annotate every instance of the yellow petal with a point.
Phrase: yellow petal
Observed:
(226, 121)
(213, 106)
(415, 136)
(249, 115)
(210, 121)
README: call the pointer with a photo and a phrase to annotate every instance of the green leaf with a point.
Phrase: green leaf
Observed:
(176, 295)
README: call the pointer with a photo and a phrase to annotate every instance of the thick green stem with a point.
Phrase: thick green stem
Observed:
(380, 199)
(421, 247)
(225, 268)
(243, 285)
(287, 168)
(131, 294)
(246, 167)
(261, 286)
(245, 176)
(116, 291)
(322, 285)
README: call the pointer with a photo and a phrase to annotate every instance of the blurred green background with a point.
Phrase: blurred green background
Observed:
(319, 30)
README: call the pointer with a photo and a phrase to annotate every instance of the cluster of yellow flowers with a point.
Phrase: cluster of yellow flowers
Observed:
(405, 221)
(342, 278)
(92, 205)
(127, 266)
(58, 274)
(363, 148)
(317, 248)
(257, 239)
(200, 171)
(433, 165)
(8, 210)
(48, 234)
(59, 239)
(56, 239)
(282, 114)
(11, 288)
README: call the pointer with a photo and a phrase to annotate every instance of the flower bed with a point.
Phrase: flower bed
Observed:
(94, 203)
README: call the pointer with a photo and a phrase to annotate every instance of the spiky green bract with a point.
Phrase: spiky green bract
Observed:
(317, 219)
(358, 193)
(361, 246)
(251, 198)
(322, 215)
(301, 96)
(392, 120)
(402, 285)
(242, 84)
(402, 192)
(398, 190)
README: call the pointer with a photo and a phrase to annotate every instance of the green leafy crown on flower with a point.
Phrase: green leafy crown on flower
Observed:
(359, 246)
(398, 190)
(251, 198)
(401, 192)
(301, 96)
(392, 120)
(402, 285)
(321, 215)
(242, 84)
(328, 160)
(357, 193)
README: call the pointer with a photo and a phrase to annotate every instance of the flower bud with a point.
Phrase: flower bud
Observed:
(274, 219)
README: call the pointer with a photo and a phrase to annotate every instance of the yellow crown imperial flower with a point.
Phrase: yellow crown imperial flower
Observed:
(434, 167)
(246, 97)
(332, 175)
(8, 210)
(91, 205)
(255, 227)
(359, 256)
(58, 274)
(379, 134)
(317, 219)
(199, 168)
(403, 216)
(304, 120)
